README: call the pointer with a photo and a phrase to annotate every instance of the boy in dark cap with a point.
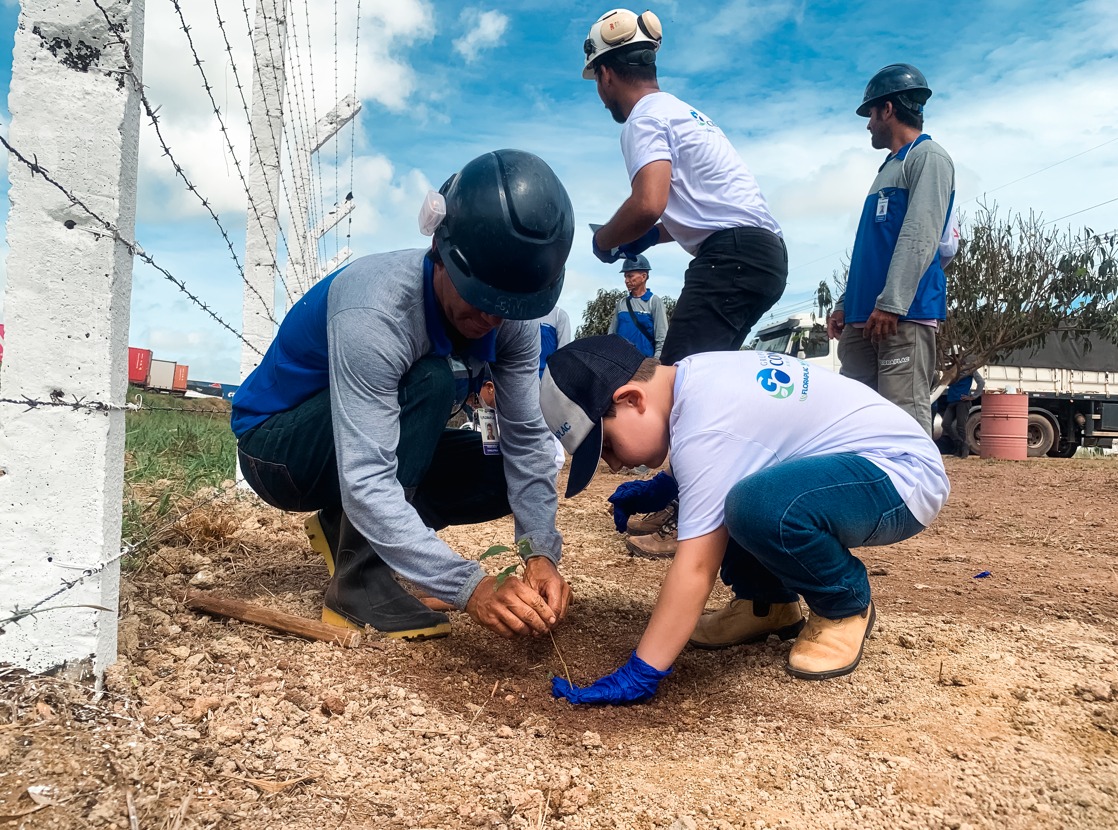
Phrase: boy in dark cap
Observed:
(783, 467)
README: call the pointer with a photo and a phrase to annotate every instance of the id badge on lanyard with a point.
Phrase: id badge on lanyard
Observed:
(882, 207)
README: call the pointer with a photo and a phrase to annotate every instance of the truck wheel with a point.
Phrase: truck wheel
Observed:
(974, 431)
(1063, 449)
(1041, 435)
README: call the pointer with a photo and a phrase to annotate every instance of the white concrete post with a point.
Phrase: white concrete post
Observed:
(67, 302)
(300, 256)
(269, 40)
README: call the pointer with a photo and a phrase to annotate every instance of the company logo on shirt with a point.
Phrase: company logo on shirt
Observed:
(776, 382)
(702, 119)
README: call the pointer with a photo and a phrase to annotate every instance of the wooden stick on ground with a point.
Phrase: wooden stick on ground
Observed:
(276, 620)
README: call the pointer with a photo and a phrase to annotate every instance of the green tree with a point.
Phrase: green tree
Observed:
(1017, 281)
(599, 311)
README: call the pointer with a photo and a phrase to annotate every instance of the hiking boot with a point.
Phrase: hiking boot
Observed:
(651, 522)
(745, 621)
(830, 648)
(363, 592)
(658, 545)
(323, 529)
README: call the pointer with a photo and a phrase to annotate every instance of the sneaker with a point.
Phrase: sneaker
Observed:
(745, 621)
(658, 545)
(651, 522)
(830, 648)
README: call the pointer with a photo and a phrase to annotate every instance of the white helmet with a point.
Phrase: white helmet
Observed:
(617, 28)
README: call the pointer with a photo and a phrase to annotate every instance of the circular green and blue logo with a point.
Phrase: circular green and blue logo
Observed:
(776, 382)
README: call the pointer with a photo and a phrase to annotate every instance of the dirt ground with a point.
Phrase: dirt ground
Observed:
(981, 702)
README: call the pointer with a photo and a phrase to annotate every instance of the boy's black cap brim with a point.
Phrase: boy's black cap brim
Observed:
(584, 462)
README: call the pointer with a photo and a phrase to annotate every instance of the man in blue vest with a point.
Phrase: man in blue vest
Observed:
(639, 316)
(896, 290)
(346, 413)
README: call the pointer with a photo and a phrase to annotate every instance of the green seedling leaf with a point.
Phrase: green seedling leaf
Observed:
(524, 548)
(505, 574)
(496, 550)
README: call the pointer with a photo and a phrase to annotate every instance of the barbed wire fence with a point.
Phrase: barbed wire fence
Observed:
(296, 187)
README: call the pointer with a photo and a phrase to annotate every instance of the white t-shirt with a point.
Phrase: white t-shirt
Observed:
(711, 187)
(736, 413)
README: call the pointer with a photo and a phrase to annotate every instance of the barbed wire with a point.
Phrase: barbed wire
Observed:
(18, 614)
(353, 124)
(293, 130)
(313, 121)
(132, 247)
(151, 113)
(277, 143)
(232, 153)
(58, 399)
(337, 143)
(308, 120)
(289, 131)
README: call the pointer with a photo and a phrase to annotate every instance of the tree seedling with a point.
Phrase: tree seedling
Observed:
(523, 550)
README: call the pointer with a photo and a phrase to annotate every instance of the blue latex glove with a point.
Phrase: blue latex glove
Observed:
(606, 255)
(638, 246)
(644, 496)
(632, 683)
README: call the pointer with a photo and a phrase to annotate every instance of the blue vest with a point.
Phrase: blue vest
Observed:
(873, 251)
(629, 330)
(296, 366)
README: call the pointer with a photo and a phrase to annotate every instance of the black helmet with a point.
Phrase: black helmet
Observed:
(904, 81)
(637, 263)
(508, 230)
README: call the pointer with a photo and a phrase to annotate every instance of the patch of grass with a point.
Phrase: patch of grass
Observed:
(173, 448)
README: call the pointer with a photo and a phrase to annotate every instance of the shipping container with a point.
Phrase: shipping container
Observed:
(179, 383)
(161, 376)
(139, 363)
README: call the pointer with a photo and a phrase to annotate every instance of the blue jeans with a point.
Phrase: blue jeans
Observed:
(792, 527)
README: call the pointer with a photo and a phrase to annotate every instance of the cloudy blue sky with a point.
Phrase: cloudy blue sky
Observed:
(1025, 99)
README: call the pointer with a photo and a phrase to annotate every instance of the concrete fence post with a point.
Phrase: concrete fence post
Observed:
(269, 39)
(75, 114)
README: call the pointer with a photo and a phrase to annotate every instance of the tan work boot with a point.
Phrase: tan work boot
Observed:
(658, 545)
(746, 621)
(830, 648)
(651, 522)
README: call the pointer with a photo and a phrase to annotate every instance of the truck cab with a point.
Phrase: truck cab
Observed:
(801, 335)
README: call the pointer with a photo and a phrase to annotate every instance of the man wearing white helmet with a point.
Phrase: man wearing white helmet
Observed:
(688, 184)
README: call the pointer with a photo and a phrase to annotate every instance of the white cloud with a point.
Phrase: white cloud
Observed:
(484, 30)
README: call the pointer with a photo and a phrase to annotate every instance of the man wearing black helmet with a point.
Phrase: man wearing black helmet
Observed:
(346, 413)
(896, 290)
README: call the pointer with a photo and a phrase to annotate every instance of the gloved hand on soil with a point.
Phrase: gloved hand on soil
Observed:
(632, 683)
(644, 496)
(630, 250)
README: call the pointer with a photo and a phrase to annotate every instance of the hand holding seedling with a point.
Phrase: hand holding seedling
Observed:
(542, 575)
(511, 606)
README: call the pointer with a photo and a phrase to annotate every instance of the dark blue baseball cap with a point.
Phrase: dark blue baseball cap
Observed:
(577, 390)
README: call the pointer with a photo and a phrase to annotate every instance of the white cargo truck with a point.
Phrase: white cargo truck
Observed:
(1073, 391)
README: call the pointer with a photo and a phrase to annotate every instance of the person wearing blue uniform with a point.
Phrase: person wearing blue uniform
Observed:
(640, 317)
(896, 291)
(960, 394)
(346, 414)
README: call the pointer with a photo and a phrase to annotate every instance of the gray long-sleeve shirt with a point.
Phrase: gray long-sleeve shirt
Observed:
(376, 331)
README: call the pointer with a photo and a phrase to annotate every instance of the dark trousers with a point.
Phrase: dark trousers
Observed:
(955, 418)
(737, 275)
(290, 460)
